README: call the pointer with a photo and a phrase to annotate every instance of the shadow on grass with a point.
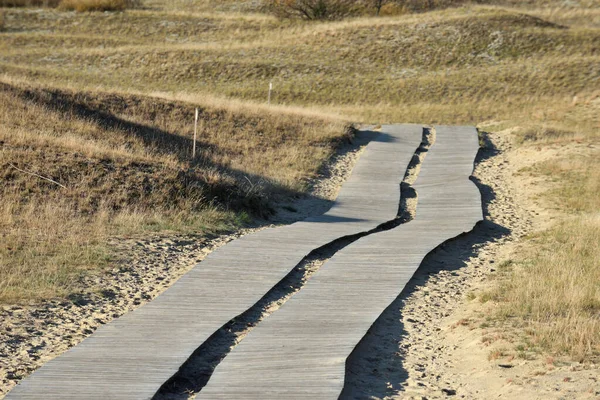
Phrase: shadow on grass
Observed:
(101, 110)
(230, 188)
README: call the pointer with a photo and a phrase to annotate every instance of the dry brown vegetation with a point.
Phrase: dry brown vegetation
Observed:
(97, 5)
(339, 9)
(533, 65)
(122, 164)
(552, 288)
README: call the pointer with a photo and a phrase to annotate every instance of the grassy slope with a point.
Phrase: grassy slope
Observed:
(126, 167)
(525, 65)
(459, 65)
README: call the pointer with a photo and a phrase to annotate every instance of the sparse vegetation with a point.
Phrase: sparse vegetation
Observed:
(339, 9)
(553, 288)
(532, 65)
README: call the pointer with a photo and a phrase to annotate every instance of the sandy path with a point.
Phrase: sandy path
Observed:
(429, 344)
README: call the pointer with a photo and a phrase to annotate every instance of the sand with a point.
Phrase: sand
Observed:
(429, 343)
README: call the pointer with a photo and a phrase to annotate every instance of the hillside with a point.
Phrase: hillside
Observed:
(102, 104)
(122, 164)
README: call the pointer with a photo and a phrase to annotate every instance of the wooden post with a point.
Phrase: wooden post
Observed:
(195, 134)
(270, 90)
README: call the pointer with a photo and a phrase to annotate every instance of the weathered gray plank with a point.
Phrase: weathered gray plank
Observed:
(299, 352)
(131, 357)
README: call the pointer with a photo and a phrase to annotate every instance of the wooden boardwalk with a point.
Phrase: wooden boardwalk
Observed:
(300, 351)
(131, 357)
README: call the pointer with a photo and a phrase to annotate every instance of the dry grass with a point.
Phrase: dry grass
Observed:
(576, 183)
(47, 246)
(552, 290)
(431, 67)
(124, 166)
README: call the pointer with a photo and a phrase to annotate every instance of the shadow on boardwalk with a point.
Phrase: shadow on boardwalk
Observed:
(375, 369)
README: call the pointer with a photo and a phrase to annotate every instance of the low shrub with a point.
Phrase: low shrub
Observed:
(314, 9)
(98, 5)
(338, 9)
(392, 9)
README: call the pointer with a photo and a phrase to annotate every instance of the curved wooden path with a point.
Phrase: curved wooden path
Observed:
(299, 352)
(131, 357)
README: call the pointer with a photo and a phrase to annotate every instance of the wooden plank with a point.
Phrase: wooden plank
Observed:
(131, 357)
(300, 351)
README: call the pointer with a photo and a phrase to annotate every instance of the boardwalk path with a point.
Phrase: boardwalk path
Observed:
(299, 352)
(131, 357)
